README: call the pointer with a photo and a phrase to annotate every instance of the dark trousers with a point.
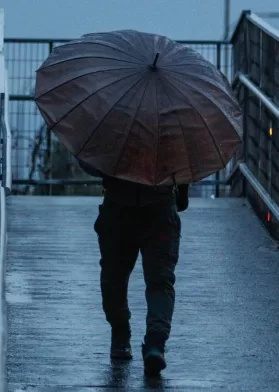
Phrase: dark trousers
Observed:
(123, 232)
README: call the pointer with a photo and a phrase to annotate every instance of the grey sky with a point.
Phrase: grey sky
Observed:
(178, 19)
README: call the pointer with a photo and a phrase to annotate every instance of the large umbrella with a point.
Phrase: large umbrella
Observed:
(139, 107)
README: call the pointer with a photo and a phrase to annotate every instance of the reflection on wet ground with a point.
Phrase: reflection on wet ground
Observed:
(225, 327)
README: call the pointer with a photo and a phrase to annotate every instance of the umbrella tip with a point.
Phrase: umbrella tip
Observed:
(153, 66)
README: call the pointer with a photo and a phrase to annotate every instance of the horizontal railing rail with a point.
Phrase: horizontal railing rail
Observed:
(263, 25)
(64, 40)
(262, 193)
(268, 103)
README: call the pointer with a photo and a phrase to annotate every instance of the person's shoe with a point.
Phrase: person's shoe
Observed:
(120, 344)
(153, 359)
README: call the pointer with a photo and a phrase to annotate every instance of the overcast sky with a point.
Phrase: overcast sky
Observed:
(178, 19)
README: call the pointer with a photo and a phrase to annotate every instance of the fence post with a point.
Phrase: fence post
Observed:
(49, 145)
(245, 103)
(218, 64)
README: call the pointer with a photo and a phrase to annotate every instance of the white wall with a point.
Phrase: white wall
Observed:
(2, 66)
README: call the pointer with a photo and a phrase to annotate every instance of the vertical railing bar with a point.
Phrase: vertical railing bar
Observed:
(49, 142)
(261, 111)
(246, 95)
(218, 64)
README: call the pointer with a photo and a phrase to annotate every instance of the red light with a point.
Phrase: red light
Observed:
(269, 217)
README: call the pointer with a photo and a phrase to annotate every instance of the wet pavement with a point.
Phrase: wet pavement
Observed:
(225, 334)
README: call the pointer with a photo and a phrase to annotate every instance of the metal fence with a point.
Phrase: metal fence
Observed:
(37, 157)
(256, 54)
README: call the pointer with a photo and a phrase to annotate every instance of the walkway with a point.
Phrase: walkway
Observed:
(226, 326)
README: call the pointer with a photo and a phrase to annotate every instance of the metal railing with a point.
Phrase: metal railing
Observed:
(5, 189)
(244, 169)
(36, 164)
(256, 84)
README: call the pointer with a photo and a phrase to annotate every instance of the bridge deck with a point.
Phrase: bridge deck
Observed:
(225, 331)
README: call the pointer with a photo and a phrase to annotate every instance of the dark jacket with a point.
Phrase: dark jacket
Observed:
(133, 194)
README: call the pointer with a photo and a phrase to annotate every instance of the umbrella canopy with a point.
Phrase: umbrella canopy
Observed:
(139, 107)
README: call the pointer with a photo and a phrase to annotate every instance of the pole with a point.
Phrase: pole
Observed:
(227, 13)
(49, 144)
(217, 176)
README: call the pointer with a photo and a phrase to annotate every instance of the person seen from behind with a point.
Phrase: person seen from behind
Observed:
(138, 219)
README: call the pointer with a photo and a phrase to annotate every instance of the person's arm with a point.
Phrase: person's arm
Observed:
(182, 198)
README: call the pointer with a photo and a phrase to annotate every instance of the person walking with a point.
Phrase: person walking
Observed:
(152, 111)
(135, 219)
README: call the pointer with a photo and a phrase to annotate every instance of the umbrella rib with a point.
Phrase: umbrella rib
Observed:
(101, 43)
(201, 78)
(164, 52)
(177, 49)
(205, 65)
(86, 57)
(128, 134)
(186, 149)
(198, 91)
(89, 96)
(159, 131)
(184, 47)
(144, 44)
(166, 55)
(81, 76)
(100, 123)
(201, 117)
(125, 40)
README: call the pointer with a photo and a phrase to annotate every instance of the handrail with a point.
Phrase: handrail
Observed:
(263, 25)
(269, 202)
(257, 21)
(274, 109)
